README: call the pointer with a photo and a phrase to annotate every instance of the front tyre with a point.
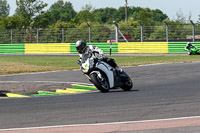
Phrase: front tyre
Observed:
(101, 83)
(127, 82)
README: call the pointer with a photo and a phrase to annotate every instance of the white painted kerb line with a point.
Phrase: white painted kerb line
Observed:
(101, 124)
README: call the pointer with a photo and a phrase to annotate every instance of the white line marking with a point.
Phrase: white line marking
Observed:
(100, 124)
(38, 73)
(45, 82)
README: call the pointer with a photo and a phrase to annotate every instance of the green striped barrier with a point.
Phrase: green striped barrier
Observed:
(179, 47)
(12, 48)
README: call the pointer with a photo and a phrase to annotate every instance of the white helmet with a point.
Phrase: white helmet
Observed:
(81, 46)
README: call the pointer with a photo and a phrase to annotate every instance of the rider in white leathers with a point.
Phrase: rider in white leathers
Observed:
(92, 51)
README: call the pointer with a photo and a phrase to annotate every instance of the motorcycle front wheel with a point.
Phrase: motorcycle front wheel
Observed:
(128, 84)
(101, 83)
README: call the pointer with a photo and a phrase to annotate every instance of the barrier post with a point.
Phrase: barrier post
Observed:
(37, 30)
(141, 30)
(116, 31)
(63, 33)
(126, 14)
(193, 30)
(11, 36)
(89, 32)
(110, 46)
(167, 31)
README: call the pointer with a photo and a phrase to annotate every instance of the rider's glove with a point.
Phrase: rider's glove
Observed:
(90, 53)
(100, 56)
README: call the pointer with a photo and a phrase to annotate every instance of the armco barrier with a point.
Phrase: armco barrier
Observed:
(67, 48)
(11, 48)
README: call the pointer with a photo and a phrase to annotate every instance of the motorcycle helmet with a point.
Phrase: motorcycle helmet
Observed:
(188, 44)
(81, 46)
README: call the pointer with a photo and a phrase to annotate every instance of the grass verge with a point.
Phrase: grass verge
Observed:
(27, 64)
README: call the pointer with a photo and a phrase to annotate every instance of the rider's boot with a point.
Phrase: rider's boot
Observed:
(118, 71)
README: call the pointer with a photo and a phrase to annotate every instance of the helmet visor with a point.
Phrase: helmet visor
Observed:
(81, 49)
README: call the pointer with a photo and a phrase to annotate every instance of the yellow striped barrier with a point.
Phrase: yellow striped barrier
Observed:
(143, 47)
(47, 48)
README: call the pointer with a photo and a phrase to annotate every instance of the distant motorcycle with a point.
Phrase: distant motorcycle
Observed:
(104, 76)
(192, 49)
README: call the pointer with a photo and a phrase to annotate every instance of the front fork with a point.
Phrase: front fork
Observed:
(98, 74)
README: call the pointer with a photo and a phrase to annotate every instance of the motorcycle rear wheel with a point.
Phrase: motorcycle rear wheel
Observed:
(189, 53)
(103, 86)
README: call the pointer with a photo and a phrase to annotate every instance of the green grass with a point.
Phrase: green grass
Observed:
(54, 61)
(141, 60)
(27, 64)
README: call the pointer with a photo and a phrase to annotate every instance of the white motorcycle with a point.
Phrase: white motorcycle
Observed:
(104, 76)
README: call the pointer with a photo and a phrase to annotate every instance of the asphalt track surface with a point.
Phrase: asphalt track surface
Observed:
(160, 91)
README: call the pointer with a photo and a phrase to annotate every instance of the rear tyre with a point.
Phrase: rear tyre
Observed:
(101, 84)
(128, 84)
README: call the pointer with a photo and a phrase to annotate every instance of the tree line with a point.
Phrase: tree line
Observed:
(31, 14)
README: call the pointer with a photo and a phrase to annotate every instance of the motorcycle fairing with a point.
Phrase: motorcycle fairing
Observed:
(107, 69)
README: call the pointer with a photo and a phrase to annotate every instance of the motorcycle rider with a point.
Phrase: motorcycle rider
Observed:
(188, 45)
(192, 49)
(92, 51)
